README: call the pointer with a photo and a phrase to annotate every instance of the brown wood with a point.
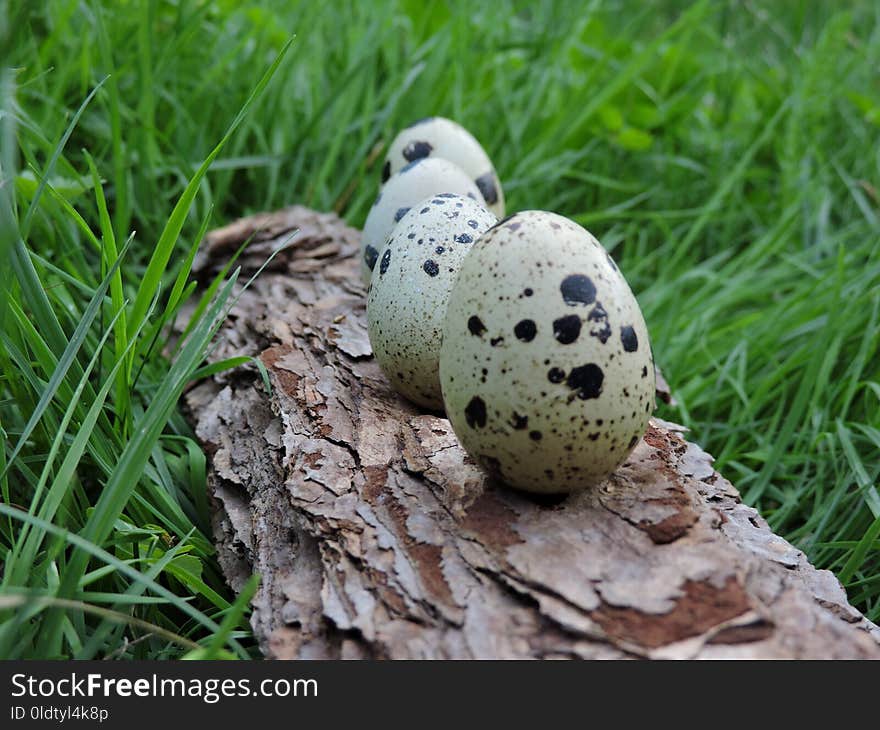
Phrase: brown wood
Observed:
(376, 537)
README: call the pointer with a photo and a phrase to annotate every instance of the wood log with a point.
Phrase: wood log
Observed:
(375, 535)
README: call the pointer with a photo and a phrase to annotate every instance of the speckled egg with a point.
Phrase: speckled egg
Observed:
(443, 138)
(410, 289)
(415, 182)
(545, 367)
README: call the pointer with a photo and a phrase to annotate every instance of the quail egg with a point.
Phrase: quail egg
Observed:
(443, 138)
(415, 182)
(410, 288)
(545, 366)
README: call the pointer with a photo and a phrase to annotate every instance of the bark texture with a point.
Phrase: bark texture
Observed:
(376, 536)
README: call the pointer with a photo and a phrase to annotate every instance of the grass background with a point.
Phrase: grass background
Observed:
(725, 152)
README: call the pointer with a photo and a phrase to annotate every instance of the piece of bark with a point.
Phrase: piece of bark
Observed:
(376, 537)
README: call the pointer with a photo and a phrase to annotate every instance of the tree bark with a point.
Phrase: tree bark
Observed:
(376, 537)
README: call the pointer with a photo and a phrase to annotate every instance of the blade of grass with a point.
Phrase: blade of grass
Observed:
(66, 360)
(859, 552)
(53, 160)
(151, 280)
(687, 20)
(230, 621)
(71, 460)
(33, 604)
(135, 590)
(59, 486)
(177, 290)
(109, 256)
(8, 227)
(86, 547)
(227, 364)
(121, 208)
(130, 465)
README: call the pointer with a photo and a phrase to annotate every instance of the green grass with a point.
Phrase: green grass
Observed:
(728, 154)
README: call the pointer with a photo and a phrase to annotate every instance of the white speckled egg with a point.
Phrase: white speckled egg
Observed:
(415, 182)
(443, 138)
(545, 367)
(410, 289)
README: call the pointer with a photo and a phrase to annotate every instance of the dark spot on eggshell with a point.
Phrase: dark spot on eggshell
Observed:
(476, 326)
(475, 412)
(633, 441)
(629, 339)
(586, 381)
(555, 375)
(535, 435)
(473, 224)
(496, 341)
(463, 238)
(528, 292)
(486, 184)
(645, 371)
(370, 256)
(431, 268)
(519, 422)
(600, 329)
(439, 250)
(567, 329)
(578, 289)
(417, 150)
(424, 210)
(400, 213)
(525, 330)
(386, 171)
(386, 259)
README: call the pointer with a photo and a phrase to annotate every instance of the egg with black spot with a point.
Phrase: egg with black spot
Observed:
(545, 364)
(410, 286)
(412, 184)
(438, 137)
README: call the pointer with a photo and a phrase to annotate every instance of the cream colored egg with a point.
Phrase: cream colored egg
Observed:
(410, 286)
(415, 182)
(545, 367)
(440, 137)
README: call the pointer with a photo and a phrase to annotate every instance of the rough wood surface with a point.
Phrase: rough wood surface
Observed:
(376, 537)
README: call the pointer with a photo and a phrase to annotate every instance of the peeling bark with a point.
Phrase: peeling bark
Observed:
(377, 537)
